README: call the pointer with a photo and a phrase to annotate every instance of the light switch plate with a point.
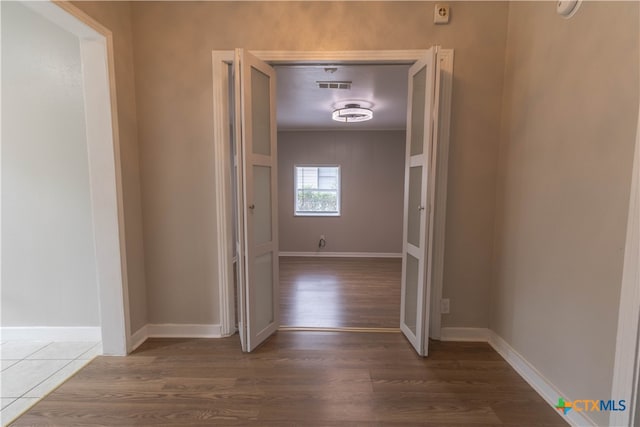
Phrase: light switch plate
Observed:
(441, 14)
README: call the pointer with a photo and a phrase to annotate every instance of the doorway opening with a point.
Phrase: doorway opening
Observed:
(222, 81)
(76, 168)
(340, 195)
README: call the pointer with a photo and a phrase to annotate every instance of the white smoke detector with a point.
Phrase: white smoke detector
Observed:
(567, 8)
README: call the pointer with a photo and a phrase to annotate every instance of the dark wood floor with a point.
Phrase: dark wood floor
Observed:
(297, 379)
(340, 292)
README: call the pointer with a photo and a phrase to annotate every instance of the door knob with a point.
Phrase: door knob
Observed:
(420, 208)
(252, 207)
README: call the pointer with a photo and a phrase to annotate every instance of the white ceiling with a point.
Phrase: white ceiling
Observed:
(303, 106)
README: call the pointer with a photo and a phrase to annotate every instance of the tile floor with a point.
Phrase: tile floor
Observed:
(30, 370)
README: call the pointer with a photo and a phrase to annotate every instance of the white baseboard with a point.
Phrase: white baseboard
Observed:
(51, 333)
(545, 388)
(464, 334)
(172, 330)
(138, 337)
(342, 254)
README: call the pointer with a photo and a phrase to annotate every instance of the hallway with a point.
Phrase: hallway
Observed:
(297, 378)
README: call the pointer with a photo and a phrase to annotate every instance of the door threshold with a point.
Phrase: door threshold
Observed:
(339, 329)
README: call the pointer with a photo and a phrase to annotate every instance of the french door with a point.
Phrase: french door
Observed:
(418, 204)
(257, 244)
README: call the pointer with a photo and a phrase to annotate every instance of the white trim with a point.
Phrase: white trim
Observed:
(444, 84)
(71, 21)
(342, 254)
(106, 202)
(171, 330)
(626, 366)
(222, 155)
(223, 171)
(545, 388)
(340, 56)
(51, 333)
(464, 334)
(139, 337)
(98, 70)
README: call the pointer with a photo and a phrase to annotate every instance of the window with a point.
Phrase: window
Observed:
(317, 190)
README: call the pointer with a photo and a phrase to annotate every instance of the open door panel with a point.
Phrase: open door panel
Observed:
(255, 132)
(418, 202)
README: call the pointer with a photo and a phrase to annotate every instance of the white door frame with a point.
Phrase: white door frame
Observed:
(98, 74)
(223, 170)
(627, 361)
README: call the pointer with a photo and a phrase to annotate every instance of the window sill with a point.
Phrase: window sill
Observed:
(316, 214)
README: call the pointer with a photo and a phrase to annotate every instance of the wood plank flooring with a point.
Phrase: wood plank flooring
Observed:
(340, 292)
(296, 379)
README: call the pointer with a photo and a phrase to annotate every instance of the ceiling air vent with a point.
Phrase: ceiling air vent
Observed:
(333, 85)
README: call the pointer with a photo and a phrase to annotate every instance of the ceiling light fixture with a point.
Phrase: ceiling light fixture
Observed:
(352, 113)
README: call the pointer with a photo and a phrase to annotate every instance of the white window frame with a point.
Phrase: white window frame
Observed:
(295, 190)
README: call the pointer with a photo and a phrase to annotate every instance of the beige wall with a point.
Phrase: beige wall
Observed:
(372, 190)
(173, 43)
(569, 120)
(116, 16)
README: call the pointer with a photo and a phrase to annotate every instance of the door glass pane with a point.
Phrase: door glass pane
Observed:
(263, 281)
(417, 111)
(411, 293)
(261, 113)
(415, 196)
(262, 204)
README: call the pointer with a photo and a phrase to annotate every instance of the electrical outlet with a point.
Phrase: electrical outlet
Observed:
(444, 306)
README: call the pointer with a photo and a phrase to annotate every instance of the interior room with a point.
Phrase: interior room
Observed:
(340, 261)
(518, 300)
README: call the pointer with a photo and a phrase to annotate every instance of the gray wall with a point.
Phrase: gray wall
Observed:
(48, 260)
(569, 121)
(372, 178)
